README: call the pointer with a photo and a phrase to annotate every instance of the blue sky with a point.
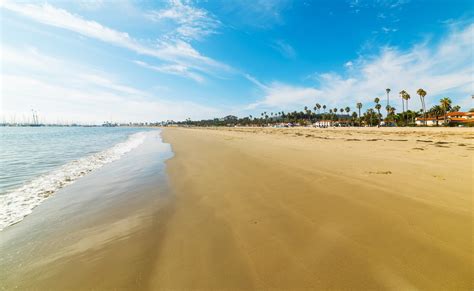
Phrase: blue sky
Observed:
(96, 60)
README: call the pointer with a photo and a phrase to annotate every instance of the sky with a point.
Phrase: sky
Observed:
(91, 61)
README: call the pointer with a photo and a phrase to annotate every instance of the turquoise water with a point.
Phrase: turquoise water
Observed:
(37, 161)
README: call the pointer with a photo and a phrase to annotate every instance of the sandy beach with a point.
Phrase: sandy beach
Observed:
(319, 208)
(252, 208)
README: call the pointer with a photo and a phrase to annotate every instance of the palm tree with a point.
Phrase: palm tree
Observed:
(378, 106)
(392, 110)
(388, 96)
(422, 94)
(402, 94)
(353, 117)
(456, 108)
(347, 109)
(359, 106)
(388, 108)
(446, 105)
(406, 97)
(324, 108)
(319, 107)
(376, 101)
(436, 111)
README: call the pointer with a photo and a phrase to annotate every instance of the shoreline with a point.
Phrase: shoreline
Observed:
(20, 201)
(95, 233)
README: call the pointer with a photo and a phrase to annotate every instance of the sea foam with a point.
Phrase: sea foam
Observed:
(18, 203)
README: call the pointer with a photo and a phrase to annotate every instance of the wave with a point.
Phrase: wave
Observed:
(18, 203)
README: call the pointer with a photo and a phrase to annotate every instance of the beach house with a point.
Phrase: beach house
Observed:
(454, 118)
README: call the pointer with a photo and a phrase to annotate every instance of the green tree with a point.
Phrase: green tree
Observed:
(422, 94)
(378, 106)
(436, 111)
(406, 97)
(446, 105)
(456, 108)
(402, 95)
(354, 117)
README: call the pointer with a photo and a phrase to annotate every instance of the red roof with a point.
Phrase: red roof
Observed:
(458, 119)
(457, 113)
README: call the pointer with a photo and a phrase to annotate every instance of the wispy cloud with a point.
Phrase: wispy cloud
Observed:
(439, 69)
(191, 23)
(386, 12)
(284, 48)
(67, 91)
(173, 69)
(90, 4)
(177, 52)
(255, 81)
(279, 95)
(388, 29)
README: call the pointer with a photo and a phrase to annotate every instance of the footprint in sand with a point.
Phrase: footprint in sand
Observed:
(381, 173)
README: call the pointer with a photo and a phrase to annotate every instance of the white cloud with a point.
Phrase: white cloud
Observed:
(67, 91)
(255, 81)
(191, 22)
(442, 69)
(173, 69)
(284, 48)
(286, 96)
(90, 4)
(177, 51)
(388, 29)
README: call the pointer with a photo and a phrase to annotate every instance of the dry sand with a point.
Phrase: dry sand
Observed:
(319, 208)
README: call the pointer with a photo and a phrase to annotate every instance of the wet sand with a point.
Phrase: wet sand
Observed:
(99, 233)
(319, 208)
(260, 209)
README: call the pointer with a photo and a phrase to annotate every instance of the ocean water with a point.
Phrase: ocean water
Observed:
(35, 162)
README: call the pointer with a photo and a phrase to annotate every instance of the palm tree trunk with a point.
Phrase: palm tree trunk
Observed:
(407, 112)
(424, 110)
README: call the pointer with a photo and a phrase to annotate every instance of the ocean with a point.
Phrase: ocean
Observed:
(36, 162)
